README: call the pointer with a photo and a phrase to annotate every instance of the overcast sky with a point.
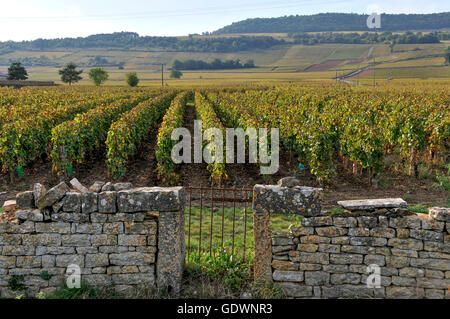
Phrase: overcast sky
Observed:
(31, 19)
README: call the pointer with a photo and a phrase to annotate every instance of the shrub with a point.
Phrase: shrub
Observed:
(127, 133)
(172, 119)
(132, 79)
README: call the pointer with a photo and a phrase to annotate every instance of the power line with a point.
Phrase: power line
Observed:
(188, 12)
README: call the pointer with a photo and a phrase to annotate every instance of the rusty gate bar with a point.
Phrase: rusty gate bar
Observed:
(245, 223)
(211, 227)
(189, 223)
(234, 218)
(200, 231)
(233, 200)
(223, 213)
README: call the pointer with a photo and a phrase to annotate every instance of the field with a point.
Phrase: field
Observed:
(355, 142)
(382, 132)
(283, 63)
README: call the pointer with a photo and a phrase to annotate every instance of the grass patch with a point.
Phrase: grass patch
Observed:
(336, 211)
(223, 275)
(443, 182)
(267, 291)
(418, 209)
(238, 220)
(383, 183)
(84, 292)
(221, 266)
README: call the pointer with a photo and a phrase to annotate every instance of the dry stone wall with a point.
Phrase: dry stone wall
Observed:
(112, 232)
(328, 255)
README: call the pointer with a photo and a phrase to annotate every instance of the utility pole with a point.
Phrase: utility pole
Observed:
(374, 70)
(162, 74)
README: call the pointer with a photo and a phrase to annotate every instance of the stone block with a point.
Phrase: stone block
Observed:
(25, 200)
(296, 290)
(52, 196)
(122, 186)
(72, 202)
(290, 276)
(34, 215)
(440, 214)
(78, 186)
(317, 278)
(9, 206)
(89, 203)
(107, 202)
(96, 187)
(299, 200)
(151, 199)
(372, 204)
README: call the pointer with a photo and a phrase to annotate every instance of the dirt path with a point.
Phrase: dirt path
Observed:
(194, 174)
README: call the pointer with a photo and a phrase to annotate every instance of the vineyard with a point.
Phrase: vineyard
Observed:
(325, 131)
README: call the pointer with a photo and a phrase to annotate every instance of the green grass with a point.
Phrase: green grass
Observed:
(225, 276)
(278, 223)
(336, 211)
(443, 182)
(418, 209)
(222, 266)
(1, 210)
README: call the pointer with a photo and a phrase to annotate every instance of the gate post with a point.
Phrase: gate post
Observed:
(171, 240)
(270, 199)
(262, 263)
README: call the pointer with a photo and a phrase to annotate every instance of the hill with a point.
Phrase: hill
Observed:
(338, 22)
(132, 41)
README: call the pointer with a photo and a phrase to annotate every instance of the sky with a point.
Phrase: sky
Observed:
(48, 19)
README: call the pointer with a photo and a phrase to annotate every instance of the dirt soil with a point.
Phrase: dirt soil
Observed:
(361, 74)
(325, 66)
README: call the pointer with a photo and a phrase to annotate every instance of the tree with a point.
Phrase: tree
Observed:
(17, 72)
(69, 74)
(175, 74)
(132, 79)
(447, 55)
(249, 64)
(98, 75)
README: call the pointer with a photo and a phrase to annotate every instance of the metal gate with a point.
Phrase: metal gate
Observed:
(219, 219)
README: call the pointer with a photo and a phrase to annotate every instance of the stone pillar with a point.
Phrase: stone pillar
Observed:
(171, 251)
(262, 263)
(269, 199)
(171, 245)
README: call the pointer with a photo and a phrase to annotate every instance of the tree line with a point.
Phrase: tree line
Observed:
(338, 22)
(217, 64)
(71, 74)
(132, 40)
(97, 61)
(368, 38)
